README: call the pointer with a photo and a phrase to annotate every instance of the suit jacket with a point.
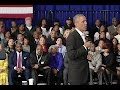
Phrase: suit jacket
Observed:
(13, 60)
(43, 62)
(66, 60)
(78, 64)
(112, 31)
(93, 31)
(29, 34)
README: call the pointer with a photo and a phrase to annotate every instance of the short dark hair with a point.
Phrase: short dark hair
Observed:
(107, 46)
(88, 38)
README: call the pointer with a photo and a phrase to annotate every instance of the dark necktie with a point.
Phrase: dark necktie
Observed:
(38, 56)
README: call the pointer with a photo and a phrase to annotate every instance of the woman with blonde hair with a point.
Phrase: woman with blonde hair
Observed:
(3, 66)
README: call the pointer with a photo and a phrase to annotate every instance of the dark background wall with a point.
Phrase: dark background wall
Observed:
(61, 12)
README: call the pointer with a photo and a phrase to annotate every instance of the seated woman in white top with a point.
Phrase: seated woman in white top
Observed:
(45, 27)
(56, 22)
(103, 28)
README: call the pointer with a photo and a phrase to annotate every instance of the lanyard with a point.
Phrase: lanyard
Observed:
(39, 58)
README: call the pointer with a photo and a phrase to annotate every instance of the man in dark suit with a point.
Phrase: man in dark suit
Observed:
(112, 29)
(29, 30)
(19, 64)
(78, 67)
(40, 64)
(95, 29)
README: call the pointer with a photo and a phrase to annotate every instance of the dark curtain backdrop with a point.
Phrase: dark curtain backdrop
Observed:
(61, 12)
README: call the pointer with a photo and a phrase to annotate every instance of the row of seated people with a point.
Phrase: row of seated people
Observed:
(104, 64)
(51, 64)
(30, 65)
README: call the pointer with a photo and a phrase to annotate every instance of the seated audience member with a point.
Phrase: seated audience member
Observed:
(114, 45)
(95, 61)
(56, 28)
(42, 41)
(26, 46)
(13, 29)
(2, 26)
(51, 40)
(29, 29)
(19, 64)
(44, 26)
(7, 37)
(2, 37)
(61, 47)
(36, 37)
(95, 29)
(65, 35)
(102, 29)
(56, 65)
(108, 66)
(28, 25)
(56, 22)
(112, 28)
(39, 30)
(10, 47)
(102, 36)
(40, 64)
(118, 33)
(20, 39)
(21, 30)
(99, 48)
(3, 66)
(69, 24)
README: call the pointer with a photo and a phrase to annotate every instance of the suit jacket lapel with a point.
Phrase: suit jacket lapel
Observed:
(79, 36)
(15, 59)
(22, 57)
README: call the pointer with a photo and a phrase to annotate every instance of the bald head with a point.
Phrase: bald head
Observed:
(39, 49)
(115, 21)
(80, 22)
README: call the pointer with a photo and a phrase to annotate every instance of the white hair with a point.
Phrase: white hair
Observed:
(77, 16)
(52, 47)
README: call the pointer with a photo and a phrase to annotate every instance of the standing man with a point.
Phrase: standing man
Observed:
(112, 29)
(78, 73)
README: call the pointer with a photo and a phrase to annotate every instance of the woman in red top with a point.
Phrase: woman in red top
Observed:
(42, 41)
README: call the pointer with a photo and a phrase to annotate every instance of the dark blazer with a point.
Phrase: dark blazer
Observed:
(93, 31)
(13, 60)
(33, 60)
(78, 66)
(29, 34)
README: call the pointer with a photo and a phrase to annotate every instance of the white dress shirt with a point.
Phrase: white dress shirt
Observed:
(62, 50)
(82, 35)
(17, 60)
(61, 30)
(29, 27)
(45, 32)
(96, 36)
